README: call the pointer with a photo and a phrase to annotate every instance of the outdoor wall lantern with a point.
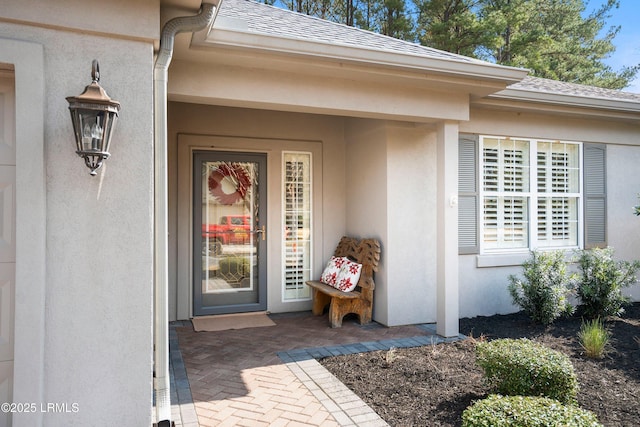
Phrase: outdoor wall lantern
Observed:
(94, 116)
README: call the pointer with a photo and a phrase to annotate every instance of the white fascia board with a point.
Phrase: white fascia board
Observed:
(476, 69)
(530, 96)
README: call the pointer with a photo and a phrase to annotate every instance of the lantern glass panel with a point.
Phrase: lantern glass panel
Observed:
(109, 122)
(92, 130)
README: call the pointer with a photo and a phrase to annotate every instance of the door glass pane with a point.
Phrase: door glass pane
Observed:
(229, 239)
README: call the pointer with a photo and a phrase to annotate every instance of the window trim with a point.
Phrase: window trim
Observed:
(532, 196)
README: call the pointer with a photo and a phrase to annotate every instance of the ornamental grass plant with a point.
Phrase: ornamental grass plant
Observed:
(594, 338)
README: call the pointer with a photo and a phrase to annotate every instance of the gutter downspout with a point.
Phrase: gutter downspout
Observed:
(204, 18)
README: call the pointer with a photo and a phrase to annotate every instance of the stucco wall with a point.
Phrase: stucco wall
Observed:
(367, 207)
(139, 19)
(483, 291)
(623, 185)
(391, 196)
(412, 224)
(97, 305)
(270, 132)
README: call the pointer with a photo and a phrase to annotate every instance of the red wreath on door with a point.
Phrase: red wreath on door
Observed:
(237, 174)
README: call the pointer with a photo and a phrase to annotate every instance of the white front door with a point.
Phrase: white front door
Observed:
(7, 239)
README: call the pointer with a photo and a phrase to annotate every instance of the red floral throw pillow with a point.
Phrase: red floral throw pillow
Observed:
(332, 271)
(348, 276)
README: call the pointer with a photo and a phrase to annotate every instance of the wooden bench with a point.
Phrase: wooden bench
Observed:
(358, 301)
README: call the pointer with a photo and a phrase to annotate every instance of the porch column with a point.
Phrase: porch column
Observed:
(447, 252)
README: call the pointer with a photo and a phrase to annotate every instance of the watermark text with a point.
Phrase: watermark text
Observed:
(48, 407)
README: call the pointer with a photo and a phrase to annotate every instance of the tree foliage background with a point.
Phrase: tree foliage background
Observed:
(555, 39)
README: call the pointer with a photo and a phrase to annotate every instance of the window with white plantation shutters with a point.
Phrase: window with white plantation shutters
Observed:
(297, 225)
(530, 194)
(505, 193)
(558, 181)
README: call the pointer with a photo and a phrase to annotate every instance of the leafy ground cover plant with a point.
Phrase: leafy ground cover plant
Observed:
(543, 294)
(523, 367)
(602, 280)
(526, 411)
(594, 338)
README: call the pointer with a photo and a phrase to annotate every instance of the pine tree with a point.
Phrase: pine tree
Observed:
(450, 25)
(554, 40)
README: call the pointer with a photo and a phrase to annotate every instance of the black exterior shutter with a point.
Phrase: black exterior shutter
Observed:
(468, 196)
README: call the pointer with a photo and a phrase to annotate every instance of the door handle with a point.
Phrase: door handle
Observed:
(263, 232)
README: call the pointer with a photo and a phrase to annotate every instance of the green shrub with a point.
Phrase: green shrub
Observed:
(602, 281)
(543, 292)
(594, 338)
(523, 367)
(526, 411)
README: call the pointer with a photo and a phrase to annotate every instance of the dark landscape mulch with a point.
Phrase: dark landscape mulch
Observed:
(432, 385)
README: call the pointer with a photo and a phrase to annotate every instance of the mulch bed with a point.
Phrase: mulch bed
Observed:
(432, 385)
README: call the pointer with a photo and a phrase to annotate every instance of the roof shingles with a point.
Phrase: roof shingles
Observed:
(537, 84)
(276, 22)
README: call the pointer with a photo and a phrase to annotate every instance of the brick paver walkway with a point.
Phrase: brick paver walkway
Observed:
(268, 376)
